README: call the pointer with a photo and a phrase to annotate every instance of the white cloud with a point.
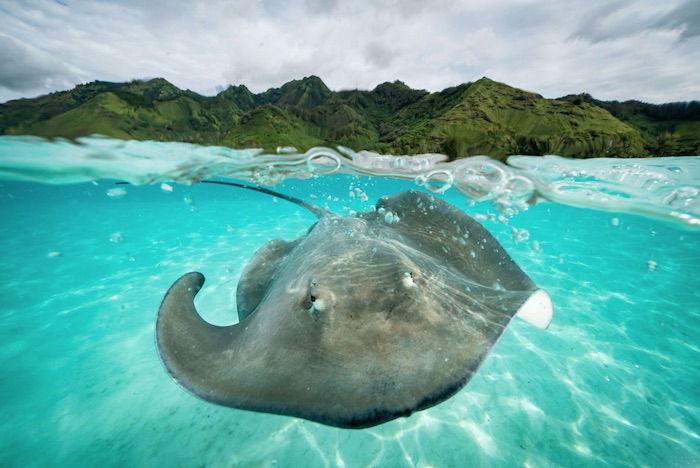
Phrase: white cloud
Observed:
(639, 49)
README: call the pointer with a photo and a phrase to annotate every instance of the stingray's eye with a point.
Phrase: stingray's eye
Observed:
(316, 303)
(312, 300)
(410, 278)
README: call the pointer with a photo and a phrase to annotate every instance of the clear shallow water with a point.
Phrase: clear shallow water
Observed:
(613, 381)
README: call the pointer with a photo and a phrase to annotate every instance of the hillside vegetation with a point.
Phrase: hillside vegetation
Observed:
(483, 117)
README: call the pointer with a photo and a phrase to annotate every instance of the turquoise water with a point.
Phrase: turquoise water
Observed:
(614, 381)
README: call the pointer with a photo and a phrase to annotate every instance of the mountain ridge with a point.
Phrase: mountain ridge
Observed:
(480, 117)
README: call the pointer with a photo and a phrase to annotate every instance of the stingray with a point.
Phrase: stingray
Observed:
(362, 320)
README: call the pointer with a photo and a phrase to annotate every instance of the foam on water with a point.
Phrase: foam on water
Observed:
(613, 381)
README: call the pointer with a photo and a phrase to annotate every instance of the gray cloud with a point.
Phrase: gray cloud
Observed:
(317, 7)
(641, 49)
(618, 19)
(378, 55)
(686, 17)
(26, 68)
(601, 23)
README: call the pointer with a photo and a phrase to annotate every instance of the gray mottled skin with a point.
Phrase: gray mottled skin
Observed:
(356, 323)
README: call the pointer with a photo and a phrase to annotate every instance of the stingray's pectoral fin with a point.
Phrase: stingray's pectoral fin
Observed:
(187, 344)
(537, 310)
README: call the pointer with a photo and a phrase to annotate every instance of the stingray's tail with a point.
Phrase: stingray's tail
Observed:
(315, 209)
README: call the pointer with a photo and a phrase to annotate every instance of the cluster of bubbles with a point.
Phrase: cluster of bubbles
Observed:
(666, 188)
(479, 178)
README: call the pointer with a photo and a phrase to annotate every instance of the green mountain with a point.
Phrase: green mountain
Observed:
(669, 129)
(483, 117)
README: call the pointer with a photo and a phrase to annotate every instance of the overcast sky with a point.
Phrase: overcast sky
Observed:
(635, 49)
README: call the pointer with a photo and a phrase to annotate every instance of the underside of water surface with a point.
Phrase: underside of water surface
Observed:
(613, 380)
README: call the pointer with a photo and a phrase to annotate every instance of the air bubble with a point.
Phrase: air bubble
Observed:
(323, 162)
(116, 237)
(479, 178)
(116, 192)
(520, 235)
(439, 181)
(519, 187)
